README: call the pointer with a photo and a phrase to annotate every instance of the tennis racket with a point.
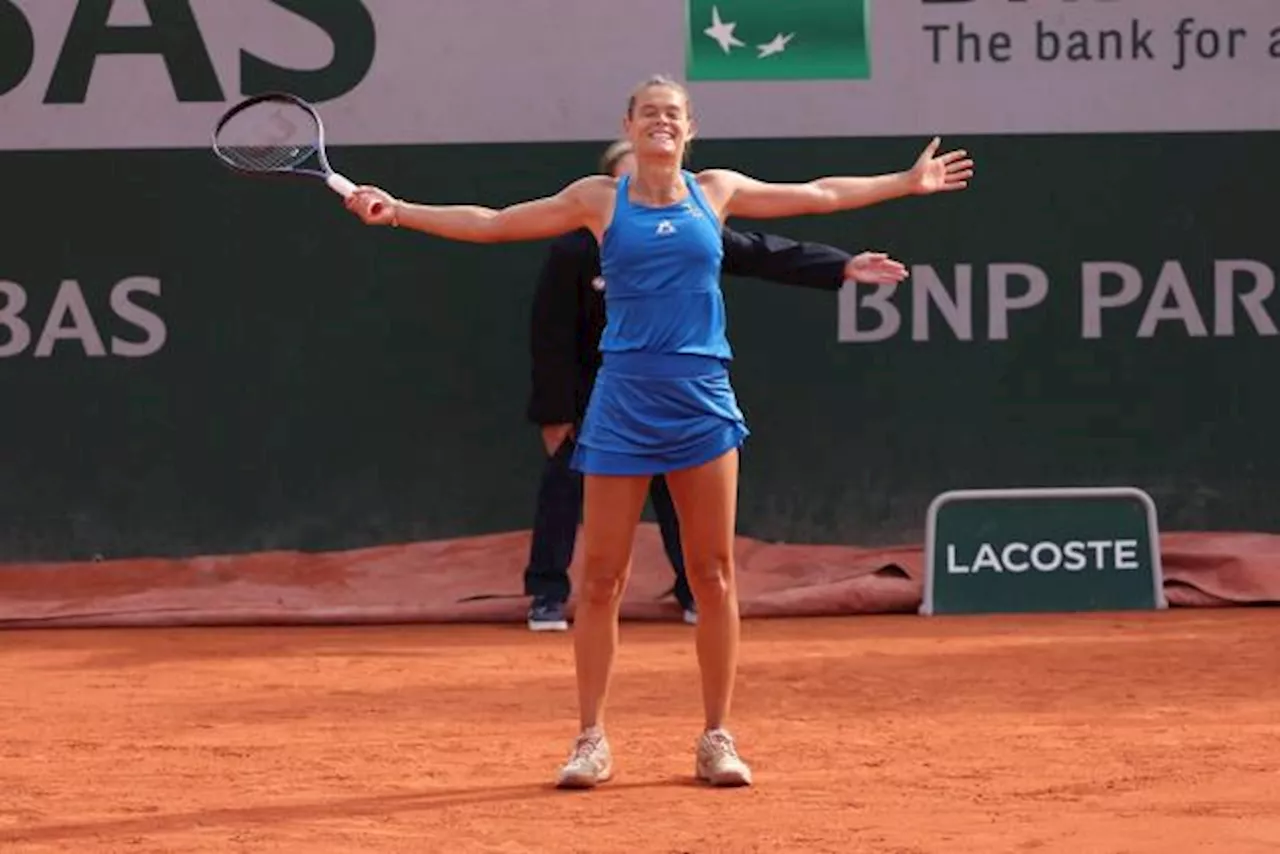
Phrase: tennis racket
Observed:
(277, 133)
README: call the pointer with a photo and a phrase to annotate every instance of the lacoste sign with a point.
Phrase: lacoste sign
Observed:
(1042, 550)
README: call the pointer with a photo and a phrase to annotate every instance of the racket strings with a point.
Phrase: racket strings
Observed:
(268, 136)
(267, 158)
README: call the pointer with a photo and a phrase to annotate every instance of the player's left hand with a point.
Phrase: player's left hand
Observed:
(934, 173)
(874, 268)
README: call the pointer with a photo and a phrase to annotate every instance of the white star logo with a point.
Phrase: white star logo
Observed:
(723, 32)
(778, 45)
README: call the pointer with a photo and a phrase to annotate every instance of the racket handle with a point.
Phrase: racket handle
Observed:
(340, 185)
(345, 188)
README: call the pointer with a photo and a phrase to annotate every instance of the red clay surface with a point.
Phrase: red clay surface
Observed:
(1084, 734)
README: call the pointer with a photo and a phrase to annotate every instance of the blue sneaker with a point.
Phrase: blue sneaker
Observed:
(547, 615)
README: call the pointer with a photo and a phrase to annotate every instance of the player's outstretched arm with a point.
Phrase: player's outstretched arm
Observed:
(576, 206)
(744, 196)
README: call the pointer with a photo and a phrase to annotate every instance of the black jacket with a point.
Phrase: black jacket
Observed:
(569, 316)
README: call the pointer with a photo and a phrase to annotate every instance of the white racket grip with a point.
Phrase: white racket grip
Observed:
(340, 185)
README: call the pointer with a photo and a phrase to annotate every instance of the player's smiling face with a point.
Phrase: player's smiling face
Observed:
(659, 122)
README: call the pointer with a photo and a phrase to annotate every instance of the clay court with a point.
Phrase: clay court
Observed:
(1154, 732)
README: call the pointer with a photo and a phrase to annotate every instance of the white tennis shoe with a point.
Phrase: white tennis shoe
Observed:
(718, 760)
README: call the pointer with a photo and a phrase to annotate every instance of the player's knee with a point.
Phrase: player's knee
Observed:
(604, 589)
(604, 579)
(711, 575)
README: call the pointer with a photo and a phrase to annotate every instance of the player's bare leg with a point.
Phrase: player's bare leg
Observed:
(611, 510)
(706, 498)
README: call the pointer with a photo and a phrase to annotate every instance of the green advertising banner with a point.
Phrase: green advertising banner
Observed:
(194, 362)
(1042, 550)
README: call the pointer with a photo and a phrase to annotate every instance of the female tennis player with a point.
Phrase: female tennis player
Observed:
(663, 402)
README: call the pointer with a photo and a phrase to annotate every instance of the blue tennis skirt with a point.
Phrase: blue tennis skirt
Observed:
(652, 413)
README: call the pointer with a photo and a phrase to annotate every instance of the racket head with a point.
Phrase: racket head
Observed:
(272, 133)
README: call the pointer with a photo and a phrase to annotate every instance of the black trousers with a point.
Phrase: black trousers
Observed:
(555, 530)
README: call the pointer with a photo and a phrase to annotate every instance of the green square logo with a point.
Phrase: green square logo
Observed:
(777, 39)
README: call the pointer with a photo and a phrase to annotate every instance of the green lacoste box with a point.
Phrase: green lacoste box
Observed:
(1046, 550)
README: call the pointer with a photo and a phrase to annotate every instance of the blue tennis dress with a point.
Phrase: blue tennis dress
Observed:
(662, 400)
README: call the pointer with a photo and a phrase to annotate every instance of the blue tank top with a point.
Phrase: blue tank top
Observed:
(661, 268)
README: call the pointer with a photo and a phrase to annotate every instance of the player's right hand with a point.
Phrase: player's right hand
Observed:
(373, 205)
